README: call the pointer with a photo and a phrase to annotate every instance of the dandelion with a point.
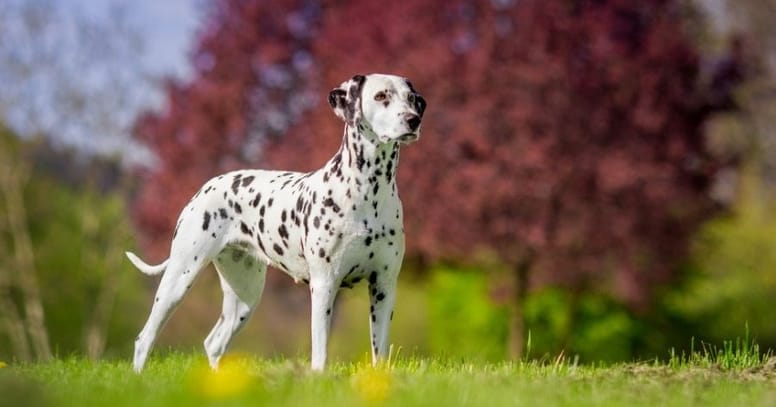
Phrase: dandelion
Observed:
(373, 384)
(2, 364)
(231, 378)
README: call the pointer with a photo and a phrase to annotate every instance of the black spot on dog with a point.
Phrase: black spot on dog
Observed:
(321, 252)
(283, 232)
(373, 277)
(237, 208)
(380, 296)
(278, 249)
(256, 199)
(261, 225)
(206, 221)
(222, 213)
(247, 181)
(245, 229)
(236, 183)
(317, 222)
(368, 240)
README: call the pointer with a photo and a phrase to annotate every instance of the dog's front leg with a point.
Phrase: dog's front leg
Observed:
(322, 293)
(382, 295)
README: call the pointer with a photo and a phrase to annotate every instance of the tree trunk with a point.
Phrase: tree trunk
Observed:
(517, 334)
(11, 318)
(13, 175)
(97, 327)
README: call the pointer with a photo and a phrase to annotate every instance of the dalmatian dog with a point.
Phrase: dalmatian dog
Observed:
(329, 228)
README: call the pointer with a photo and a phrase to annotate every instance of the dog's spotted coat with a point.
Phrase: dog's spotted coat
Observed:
(329, 228)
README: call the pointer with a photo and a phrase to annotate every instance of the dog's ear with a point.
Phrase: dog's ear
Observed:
(346, 99)
(337, 102)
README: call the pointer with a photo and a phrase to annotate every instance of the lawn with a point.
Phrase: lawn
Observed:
(183, 379)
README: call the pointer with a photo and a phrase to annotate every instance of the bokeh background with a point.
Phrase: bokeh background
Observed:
(595, 178)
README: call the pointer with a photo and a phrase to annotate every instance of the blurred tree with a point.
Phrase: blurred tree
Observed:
(565, 137)
(252, 68)
(62, 233)
(20, 272)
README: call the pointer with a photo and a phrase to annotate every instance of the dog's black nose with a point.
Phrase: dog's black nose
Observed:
(413, 121)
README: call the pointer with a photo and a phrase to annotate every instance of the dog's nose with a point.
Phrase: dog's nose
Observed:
(413, 121)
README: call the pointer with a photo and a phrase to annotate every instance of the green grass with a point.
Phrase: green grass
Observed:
(736, 375)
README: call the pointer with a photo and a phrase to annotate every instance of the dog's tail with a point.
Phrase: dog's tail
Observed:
(145, 268)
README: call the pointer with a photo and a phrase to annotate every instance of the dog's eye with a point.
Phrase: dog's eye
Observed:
(380, 96)
(411, 98)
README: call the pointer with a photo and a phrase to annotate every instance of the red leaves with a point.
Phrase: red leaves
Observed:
(572, 131)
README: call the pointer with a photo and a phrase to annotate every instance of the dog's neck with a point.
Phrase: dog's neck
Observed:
(366, 166)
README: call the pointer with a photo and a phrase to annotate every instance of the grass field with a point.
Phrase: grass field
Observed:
(734, 375)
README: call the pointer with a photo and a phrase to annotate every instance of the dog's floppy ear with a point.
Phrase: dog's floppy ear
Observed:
(346, 99)
(337, 102)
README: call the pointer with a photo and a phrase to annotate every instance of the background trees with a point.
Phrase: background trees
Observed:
(566, 138)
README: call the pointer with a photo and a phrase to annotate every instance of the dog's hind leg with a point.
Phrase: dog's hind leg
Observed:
(176, 281)
(242, 280)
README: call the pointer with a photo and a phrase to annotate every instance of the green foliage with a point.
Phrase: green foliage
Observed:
(589, 326)
(78, 234)
(733, 280)
(181, 379)
(463, 321)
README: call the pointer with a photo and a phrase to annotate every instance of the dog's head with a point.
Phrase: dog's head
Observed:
(385, 105)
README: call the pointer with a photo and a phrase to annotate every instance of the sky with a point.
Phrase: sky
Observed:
(64, 82)
(167, 28)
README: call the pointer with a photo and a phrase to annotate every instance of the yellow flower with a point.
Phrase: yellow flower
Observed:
(231, 378)
(373, 384)
(2, 364)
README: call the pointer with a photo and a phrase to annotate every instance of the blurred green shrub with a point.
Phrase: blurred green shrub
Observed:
(463, 321)
(76, 218)
(733, 279)
(589, 326)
